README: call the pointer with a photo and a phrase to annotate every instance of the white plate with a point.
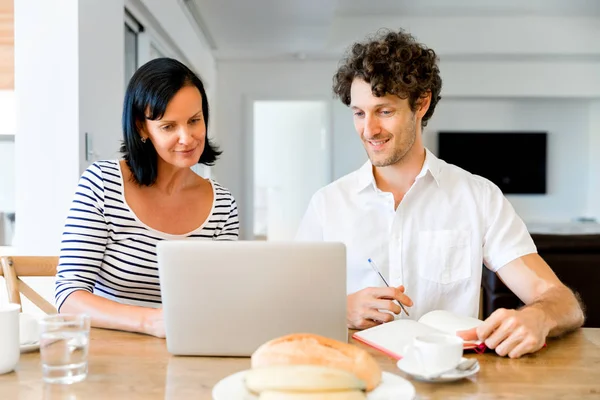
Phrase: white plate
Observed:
(392, 387)
(29, 347)
(414, 371)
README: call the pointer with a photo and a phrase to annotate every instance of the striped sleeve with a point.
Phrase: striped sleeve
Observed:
(84, 237)
(231, 227)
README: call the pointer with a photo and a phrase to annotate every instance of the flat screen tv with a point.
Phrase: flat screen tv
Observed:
(515, 161)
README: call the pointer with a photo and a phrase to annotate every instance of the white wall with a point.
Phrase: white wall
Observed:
(182, 33)
(47, 103)
(68, 80)
(567, 124)
(593, 209)
(237, 85)
(505, 80)
(523, 35)
(7, 112)
(348, 153)
(101, 75)
(521, 79)
(7, 176)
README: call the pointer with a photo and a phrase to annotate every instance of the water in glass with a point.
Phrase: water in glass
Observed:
(64, 349)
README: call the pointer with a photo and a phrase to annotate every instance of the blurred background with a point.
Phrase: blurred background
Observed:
(524, 73)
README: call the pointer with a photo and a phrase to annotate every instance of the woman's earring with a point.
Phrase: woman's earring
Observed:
(144, 140)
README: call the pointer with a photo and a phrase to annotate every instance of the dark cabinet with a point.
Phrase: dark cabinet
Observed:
(575, 259)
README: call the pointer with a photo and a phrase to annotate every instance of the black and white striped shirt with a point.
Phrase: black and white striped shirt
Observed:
(108, 251)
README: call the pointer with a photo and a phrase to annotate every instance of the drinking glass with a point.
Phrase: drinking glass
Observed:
(64, 343)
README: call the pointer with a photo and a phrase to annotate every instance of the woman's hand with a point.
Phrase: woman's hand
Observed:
(153, 322)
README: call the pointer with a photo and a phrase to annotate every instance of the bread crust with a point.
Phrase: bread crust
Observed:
(311, 349)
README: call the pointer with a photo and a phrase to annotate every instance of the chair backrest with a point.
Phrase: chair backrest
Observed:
(15, 267)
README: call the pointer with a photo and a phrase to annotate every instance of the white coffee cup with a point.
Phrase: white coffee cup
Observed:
(10, 348)
(436, 353)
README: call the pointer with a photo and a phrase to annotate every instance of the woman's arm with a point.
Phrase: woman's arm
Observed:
(109, 314)
(82, 251)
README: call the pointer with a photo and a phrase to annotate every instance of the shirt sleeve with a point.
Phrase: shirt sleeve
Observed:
(311, 225)
(84, 238)
(231, 227)
(506, 236)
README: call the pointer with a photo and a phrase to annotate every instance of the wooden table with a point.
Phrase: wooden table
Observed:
(130, 366)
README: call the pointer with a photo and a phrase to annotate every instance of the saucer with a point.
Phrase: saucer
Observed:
(414, 371)
(29, 347)
(29, 332)
(392, 386)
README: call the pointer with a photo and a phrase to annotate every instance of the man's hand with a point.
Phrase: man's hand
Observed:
(511, 332)
(363, 307)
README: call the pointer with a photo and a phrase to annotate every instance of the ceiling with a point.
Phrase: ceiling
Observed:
(255, 29)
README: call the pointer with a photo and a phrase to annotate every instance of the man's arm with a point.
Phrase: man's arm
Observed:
(509, 250)
(551, 309)
(534, 282)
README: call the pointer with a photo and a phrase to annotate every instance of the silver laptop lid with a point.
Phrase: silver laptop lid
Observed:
(228, 298)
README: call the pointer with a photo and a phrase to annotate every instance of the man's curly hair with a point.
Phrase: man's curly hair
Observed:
(393, 63)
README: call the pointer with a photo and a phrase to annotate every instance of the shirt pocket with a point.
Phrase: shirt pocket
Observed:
(444, 255)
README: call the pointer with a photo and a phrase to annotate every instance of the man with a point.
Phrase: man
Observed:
(427, 224)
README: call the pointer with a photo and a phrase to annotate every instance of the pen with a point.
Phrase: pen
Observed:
(372, 263)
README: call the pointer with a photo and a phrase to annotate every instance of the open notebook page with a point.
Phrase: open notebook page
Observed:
(450, 323)
(393, 337)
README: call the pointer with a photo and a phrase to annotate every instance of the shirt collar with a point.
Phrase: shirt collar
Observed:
(432, 166)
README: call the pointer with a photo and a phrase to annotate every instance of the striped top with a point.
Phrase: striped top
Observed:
(108, 251)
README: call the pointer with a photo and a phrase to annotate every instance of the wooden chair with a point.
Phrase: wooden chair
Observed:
(15, 267)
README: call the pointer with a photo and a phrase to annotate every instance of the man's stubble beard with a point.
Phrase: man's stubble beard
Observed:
(399, 153)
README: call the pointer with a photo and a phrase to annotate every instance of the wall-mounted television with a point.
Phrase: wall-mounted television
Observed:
(515, 161)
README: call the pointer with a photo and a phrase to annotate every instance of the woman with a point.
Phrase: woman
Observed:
(122, 208)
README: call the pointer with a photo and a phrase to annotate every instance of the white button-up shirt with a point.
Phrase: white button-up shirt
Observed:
(448, 225)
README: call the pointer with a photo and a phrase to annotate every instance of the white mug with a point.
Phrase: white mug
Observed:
(10, 347)
(436, 353)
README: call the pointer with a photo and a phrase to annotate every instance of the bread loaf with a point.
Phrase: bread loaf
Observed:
(311, 349)
(302, 378)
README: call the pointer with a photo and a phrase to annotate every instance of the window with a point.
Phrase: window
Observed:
(132, 31)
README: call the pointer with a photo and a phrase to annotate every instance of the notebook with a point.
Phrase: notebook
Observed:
(393, 337)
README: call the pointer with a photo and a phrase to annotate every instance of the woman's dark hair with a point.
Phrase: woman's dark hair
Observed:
(393, 63)
(149, 91)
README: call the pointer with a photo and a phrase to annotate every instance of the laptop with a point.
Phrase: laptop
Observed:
(226, 298)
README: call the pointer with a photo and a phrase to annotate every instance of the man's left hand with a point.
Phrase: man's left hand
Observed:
(511, 332)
